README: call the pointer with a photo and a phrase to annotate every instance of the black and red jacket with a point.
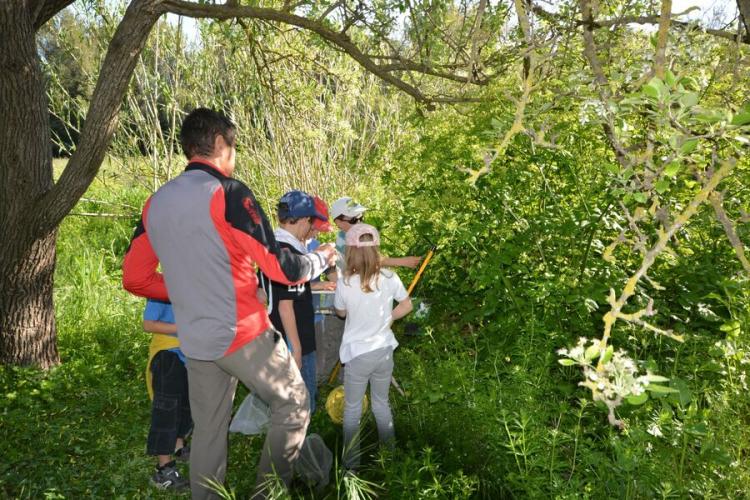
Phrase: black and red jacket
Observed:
(208, 233)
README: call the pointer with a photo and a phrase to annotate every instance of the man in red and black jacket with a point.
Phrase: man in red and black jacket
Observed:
(208, 232)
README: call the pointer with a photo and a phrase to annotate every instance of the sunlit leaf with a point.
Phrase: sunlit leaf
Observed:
(661, 186)
(637, 400)
(672, 169)
(689, 100)
(660, 389)
(592, 352)
(689, 146)
(741, 119)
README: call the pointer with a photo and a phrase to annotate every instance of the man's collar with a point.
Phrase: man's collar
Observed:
(201, 164)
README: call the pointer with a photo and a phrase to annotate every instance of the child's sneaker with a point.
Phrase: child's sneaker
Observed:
(183, 454)
(167, 478)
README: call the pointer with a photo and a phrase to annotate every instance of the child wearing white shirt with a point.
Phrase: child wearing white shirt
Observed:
(365, 295)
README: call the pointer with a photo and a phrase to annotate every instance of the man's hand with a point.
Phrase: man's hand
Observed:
(328, 251)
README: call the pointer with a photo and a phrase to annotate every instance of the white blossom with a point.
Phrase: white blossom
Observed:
(654, 430)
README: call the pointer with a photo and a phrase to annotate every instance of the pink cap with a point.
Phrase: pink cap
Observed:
(354, 235)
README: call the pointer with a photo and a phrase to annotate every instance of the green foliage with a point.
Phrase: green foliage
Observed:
(488, 412)
(524, 262)
(526, 243)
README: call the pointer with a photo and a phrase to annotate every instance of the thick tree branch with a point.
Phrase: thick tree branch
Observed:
(341, 40)
(101, 119)
(44, 10)
(660, 57)
(406, 65)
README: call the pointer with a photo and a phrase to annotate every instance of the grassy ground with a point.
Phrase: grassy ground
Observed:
(487, 410)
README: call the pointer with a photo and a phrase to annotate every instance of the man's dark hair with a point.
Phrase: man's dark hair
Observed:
(199, 131)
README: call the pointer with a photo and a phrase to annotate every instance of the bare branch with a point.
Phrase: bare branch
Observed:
(339, 40)
(602, 83)
(717, 200)
(661, 40)
(527, 76)
(103, 215)
(406, 65)
(744, 7)
(650, 19)
(664, 236)
(475, 32)
(655, 329)
(189, 9)
(330, 9)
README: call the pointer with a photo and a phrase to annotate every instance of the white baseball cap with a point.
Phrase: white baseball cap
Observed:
(347, 207)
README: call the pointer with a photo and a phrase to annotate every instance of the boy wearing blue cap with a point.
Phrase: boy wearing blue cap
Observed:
(291, 306)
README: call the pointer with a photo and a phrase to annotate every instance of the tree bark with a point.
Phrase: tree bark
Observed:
(744, 8)
(27, 260)
(660, 57)
(27, 312)
(31, 204)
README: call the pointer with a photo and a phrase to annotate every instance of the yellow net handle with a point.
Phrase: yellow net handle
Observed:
(421, 270)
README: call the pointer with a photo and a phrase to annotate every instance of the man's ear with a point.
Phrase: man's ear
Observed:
(219, 145)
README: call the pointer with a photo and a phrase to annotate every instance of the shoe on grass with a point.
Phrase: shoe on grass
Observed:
(168, 478)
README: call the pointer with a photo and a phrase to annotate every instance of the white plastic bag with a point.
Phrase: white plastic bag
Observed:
(314, 463)
(252, 417)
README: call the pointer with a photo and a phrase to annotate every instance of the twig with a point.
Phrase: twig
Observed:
(95, 214)
(716, 200)
(650, 257)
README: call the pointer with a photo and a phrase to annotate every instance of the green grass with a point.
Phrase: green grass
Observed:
(488, 412)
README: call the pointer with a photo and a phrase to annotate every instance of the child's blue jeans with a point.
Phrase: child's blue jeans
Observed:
(309, 374)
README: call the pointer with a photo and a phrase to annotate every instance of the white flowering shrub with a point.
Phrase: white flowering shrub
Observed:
(614, 378)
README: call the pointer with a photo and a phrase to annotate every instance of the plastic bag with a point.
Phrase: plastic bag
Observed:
(314, 463)
(252, 417)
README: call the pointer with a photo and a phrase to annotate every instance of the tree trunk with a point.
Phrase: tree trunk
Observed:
(31, 205)
(27, 313)
(27, 260)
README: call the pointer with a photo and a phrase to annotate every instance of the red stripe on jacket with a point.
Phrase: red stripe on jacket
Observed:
(139, 275)
(243, 251)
